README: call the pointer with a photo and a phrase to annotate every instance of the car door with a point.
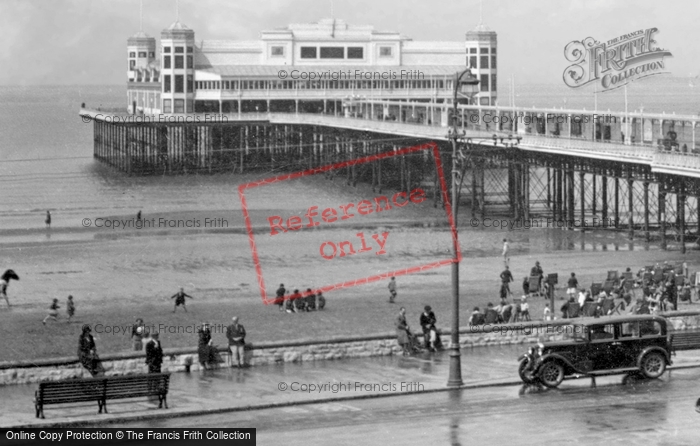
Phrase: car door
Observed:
(602, 337)
(625, 349)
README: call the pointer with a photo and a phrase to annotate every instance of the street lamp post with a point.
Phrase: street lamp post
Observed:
(468, 86)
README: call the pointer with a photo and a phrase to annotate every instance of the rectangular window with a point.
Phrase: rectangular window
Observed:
(179, 106)
(332, 52)
(484, 83)
(493, 82)
(190, 63)
(167, 106)
(484, 61)
(308, 52)
(132, 54)
(472, 50)
(472, 62)
(142, 54)
(166, 62)
(151, 54)
(493, 62)
(190, 106)
(179, 49)
(166, 49)
(277, 51)
(189, 49)
(493, 50)
(179, 62)
(166, 83)
(132, 64)
(384, 51)
(179, 83)
(190, 83)
(483, 50)
(356, 52)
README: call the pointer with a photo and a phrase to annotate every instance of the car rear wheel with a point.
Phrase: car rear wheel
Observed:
(551, 373)
(653, 365)
(526, 375)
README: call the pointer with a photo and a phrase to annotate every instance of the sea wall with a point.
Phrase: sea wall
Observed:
(179, 360)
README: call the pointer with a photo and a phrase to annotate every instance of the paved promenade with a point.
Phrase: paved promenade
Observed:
(224, 390)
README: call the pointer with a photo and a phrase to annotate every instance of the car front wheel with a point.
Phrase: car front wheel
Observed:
(551, 374)
(653, 365)
(526, 375)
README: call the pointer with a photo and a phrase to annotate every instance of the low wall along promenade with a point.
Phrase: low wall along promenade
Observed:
(176, 360)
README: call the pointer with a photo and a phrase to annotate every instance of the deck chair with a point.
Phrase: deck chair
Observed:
(644, 309)
(573, 311)
(680, 280)
(614, 276)
(491, 317)
(534, 287)
(678, 269)
(647, 278)
(658, 275)
(595, 289)
(608, 286)
(507, 313)
(627, 275)
(608, 306)
(588, 309)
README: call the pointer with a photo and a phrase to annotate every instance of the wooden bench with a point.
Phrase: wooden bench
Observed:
(102, 389)
(685, 340)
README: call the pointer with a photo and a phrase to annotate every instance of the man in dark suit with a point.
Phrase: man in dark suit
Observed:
(154, 354)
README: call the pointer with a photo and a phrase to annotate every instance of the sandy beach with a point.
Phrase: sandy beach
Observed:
(116, 275)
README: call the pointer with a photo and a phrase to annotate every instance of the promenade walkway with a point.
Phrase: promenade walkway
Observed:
(230, 390)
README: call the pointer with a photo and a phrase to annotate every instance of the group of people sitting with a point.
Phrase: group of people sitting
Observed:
(297, 303)
(502, 313)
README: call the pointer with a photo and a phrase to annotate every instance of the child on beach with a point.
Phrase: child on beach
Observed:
(524, 309)
(547, 313)
(70, 308)
(53, 312)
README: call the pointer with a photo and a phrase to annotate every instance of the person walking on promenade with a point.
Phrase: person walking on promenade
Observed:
(403, 332)
(53, 312)
(180, 299)
(137, 334)
(427, 323)
(526, 286)
(572, 286)
(87, 352)
(392, 290)
(154, 354)
(506, 279)
(279, 299)
(235, 333)
(70, 308)
(506, 253)
(205, 346)
(48, 220)
(537, 271)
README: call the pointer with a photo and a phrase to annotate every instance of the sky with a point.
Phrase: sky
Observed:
(79, 42)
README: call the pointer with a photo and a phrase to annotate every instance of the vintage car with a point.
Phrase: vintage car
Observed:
(601, 346)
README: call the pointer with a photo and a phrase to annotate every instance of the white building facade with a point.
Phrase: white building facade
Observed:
(319, 67)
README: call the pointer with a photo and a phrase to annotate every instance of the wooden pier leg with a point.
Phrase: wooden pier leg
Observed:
(662, 216)
(571, 205)
(526, 191)
(594, 196)
(482, 201)
(680, 210)
(617, 202)
(474, 205)
(630, 205)
(645, 185)
(582, 197)
(604, 192)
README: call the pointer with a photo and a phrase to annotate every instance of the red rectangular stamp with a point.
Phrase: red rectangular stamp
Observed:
(338, 245)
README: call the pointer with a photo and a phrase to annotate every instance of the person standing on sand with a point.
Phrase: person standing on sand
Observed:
(392, 290)
(279, 299)
(180, 299)
(235, 333)
(53, 312)
(70, 308)
(506, 253)
(48, 220)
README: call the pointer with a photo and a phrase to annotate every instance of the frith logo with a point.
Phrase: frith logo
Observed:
(615, 62)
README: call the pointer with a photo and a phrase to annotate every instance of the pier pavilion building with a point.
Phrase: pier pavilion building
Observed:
(320, 67)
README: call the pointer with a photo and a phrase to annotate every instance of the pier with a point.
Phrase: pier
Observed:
(628, 171)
